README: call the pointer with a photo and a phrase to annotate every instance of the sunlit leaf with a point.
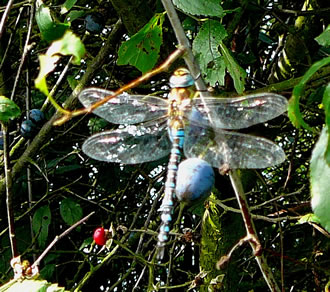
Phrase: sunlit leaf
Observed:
(319, 180)
(293, 108)
(33, 286)
(309, 218)
(70, 211)
(67, 5)
(40, 223)
(206, 50)
(324, 38)
(142, 49)
(69, 44)
(200, 7)
(8, 109)
(235, 70)
(326, 105)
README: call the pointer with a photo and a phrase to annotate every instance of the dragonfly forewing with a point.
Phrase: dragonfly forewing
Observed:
(130, 145)
(241, 112)
(124, 109)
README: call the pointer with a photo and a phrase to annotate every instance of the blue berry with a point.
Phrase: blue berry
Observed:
(28, 129)
(195, 180)
(37, 116)
(94, 23)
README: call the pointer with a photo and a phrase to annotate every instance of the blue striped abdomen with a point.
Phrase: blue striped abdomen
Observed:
(177, 136)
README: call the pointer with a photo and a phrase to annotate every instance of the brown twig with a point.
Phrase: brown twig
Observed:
(57, 238)
(163, 67)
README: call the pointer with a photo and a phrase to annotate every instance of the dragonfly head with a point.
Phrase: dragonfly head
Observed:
(181, 78)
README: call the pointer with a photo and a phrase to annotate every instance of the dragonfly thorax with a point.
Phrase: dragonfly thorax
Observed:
(181, 78)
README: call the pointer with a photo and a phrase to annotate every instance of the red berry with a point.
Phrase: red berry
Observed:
(100, 236)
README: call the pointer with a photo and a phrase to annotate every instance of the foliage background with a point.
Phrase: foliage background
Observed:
(274, 43)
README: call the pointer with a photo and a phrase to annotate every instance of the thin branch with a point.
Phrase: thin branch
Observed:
(5, 17)
(252, 235)
(27, 48)
(57, 238)
(163, 67)
(9, 194)
(184, 42)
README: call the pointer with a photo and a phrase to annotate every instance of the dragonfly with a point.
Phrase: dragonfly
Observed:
(152, 127)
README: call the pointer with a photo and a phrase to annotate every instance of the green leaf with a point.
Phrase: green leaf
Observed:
(73, 15)
(319, 180)
(87, 242)
(236, 72)
(69, 44)
(142, 50)
(40, 223)
(68, 4)
(298, 91)
(70, 211)
(47, 271)
(309, 218)
(324, 38)
(50, 30)
(326, 104)
(33, 286)
(200, 7)
(67, 168)
(206, 50)
(8, 109)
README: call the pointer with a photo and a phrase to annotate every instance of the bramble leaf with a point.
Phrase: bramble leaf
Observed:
(142, 49)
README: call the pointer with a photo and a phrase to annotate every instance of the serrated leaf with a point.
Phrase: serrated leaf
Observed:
(40, 223)
(206, 50)
(324, 38)
(8, 109)
(70, 211)
(50, 29)
(236, 72)
(200, 7)
(142, 50)
(67, 5)
(69, 44)
(319, 180)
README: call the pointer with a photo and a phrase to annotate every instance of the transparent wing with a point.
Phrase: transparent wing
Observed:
(130, 145)
(124, 109)
(240, 112)
(224, 148)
